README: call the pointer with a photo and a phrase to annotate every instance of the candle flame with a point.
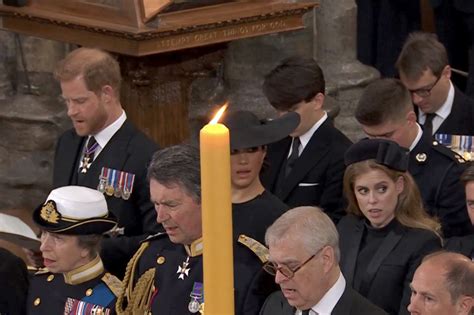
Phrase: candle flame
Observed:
(219, 113)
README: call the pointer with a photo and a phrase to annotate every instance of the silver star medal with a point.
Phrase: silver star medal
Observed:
(183, 270)
(85, 164)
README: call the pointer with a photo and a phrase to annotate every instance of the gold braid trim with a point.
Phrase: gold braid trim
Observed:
(127, 283)
(142, 294)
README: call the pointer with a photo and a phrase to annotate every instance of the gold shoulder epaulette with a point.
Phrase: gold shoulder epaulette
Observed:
(255, 246)
(114, 284)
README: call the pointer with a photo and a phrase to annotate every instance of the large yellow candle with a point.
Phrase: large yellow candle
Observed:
(217, 218)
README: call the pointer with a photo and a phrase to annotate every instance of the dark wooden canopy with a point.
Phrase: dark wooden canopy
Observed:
(145, 27)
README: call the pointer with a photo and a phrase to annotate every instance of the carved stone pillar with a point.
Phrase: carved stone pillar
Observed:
(249, 60)
(335, 50)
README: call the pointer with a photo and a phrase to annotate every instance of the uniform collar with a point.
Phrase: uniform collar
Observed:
(85, 273)
(417, 138)
(195, 248)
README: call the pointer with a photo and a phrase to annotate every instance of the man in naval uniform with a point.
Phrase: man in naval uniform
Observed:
(165, 275)
(385, 111)
(105, 151)
(72, 220)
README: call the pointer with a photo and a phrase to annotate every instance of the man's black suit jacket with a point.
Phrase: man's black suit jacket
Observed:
(316, 178)
(350, 303)
(389, 273)
(461, 119)
(437, 170)
(129, 150)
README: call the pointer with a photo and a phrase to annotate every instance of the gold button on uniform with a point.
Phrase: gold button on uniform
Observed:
(50, 278)
(89, 292)
(161, 260)
(37, 302)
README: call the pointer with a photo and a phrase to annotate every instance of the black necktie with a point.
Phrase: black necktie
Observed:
(305, 312)
(428, 125)
(290, 162)
(88, 155)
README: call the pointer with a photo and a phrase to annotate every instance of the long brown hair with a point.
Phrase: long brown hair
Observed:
(409, 212)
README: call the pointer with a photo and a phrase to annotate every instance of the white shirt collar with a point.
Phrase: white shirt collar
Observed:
(443, 112)
(417, 139)
(104, 136)
(308, 134)
(328, 302)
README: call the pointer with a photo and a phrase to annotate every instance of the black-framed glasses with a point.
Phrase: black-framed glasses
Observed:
(288, 272)
(425, 92)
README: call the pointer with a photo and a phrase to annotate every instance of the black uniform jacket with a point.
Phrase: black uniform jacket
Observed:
(129, 151)
(13, 284)
(316, 178)
(436, 170)
(94, 290)
(350, 303)
(390, 271)
(178, 275)
(461, 119)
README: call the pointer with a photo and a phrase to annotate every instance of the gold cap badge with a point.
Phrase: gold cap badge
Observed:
(49, 212)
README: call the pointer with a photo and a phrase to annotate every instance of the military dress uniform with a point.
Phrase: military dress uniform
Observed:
(86, 290)
(166, 278)
(437, 171)
(73, 211)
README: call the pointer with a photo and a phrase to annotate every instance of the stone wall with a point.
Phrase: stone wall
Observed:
(31, 116)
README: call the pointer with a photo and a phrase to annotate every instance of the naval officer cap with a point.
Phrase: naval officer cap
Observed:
(74, 210)
(384, 152)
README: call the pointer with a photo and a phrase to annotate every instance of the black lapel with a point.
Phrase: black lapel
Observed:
(388, 244)
(71, 150)
(315, 150)
(113, 156)
(343, 306)
(352, 251)
(276, 157)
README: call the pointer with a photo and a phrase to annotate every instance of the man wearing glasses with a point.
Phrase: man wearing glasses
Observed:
(425, 71)
(385, 111)
(304, 258)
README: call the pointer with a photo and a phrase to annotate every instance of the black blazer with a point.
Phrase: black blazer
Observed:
(436, 170)
(316, 178)
(461, 119)
(129, 150)
(350, 303)
(13, 284)
(391, 270)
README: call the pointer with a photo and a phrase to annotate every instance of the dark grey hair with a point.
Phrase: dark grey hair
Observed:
(178, 165)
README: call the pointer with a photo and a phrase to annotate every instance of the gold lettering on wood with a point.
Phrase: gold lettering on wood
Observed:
(225, 34)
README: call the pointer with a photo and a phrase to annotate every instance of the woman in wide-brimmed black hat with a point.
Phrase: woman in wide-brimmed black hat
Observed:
(72, 221)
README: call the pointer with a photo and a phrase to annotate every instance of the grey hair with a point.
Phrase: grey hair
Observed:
(308, 225)
(90, 242)
(178, 165)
